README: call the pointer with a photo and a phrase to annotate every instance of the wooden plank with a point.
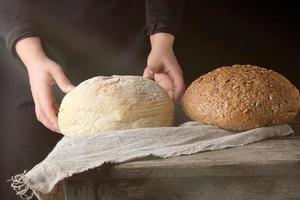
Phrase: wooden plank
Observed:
(265, 170)
(80, 189)
(266, 158)
(281, 155)
(204, 188)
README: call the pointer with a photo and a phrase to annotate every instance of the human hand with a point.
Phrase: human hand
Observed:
(162, 65)
(43, 74)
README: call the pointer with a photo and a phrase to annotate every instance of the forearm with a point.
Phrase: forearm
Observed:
(30, 51)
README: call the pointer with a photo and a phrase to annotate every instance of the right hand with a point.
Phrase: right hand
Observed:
(43, 74)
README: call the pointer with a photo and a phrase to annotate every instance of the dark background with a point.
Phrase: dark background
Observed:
(213, 34)
(220, 33)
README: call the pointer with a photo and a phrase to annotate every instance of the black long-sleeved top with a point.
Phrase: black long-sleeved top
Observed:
(76, 21)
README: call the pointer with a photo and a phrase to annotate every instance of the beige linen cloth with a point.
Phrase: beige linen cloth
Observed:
(75, 155)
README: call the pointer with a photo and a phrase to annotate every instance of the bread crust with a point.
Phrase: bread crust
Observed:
(241, 97)
(103, 104)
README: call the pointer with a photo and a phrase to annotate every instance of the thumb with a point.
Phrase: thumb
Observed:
(61, 80)
(150, 71)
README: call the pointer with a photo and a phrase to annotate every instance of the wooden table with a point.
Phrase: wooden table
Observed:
(269, 169)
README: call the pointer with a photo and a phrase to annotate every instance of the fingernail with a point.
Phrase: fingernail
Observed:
(71, 87)
(171, 94)
(55, 127)
(149, 74)
(57, 130)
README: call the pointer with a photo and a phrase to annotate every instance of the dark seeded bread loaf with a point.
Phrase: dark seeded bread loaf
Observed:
(241, 97)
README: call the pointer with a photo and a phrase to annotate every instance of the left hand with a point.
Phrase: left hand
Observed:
(162, 65)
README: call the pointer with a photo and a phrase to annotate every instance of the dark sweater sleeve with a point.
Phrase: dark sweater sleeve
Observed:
(15, 22)
(163, 16)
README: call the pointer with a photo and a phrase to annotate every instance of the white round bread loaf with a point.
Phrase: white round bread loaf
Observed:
(241, 97)
(104, 103)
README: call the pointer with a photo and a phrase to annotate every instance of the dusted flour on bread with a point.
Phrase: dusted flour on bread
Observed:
(114, 103)
(241, 97)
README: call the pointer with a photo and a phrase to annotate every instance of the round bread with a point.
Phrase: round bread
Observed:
(241, 97)
(104, 103)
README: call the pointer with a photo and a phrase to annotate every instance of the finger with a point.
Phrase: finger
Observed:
(47, 103)
(179, 86)
(55, 105)
(43, 119)
(56, 108)
(62, 81)
(150, 71)
(165, 82)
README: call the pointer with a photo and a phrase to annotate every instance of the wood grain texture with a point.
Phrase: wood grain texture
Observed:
(278, 156)
(206, 187)
(269, 169)
(80, 189)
